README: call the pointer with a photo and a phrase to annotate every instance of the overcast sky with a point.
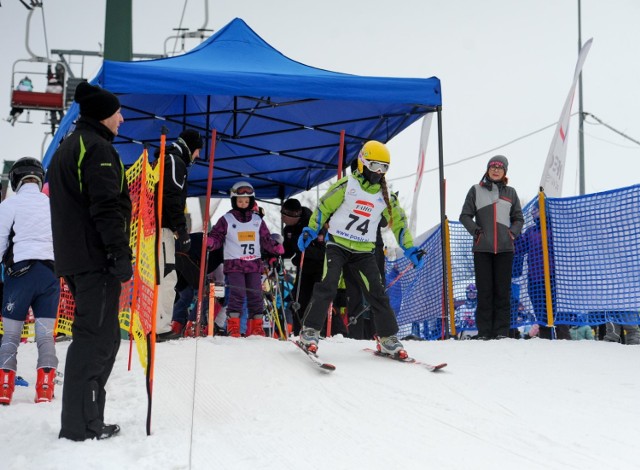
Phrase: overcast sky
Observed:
(506, 68)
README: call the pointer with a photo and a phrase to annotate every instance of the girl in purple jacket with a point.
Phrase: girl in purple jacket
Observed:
(243, 234)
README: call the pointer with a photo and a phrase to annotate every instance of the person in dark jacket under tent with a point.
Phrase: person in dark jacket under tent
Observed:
(175, 234)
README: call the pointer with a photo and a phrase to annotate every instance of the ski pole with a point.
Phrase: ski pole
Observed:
(295, 305)
(282, 329)
(354, 320)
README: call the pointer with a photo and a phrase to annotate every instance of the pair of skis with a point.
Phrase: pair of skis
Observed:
(325, 366)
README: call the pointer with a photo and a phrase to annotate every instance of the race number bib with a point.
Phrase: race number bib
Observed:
(358, 217)
(243, 241)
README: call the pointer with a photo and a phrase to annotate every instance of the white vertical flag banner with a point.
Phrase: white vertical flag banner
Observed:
(553, 173)
(424, 140)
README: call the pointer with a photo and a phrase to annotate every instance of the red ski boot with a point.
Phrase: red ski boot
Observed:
(255, 327)
(44, 384)
(7, 384)
(177, 327)
(233, 327)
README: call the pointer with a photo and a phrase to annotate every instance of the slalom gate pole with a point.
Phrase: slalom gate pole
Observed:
(205, 227)
(152, 336)
(542, 207)
(340, 174)
(212, 308)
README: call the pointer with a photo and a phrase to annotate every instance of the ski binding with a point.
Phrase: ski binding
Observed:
(410, 360)
(314, 358)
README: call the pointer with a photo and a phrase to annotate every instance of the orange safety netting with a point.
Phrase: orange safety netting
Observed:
(139, 292)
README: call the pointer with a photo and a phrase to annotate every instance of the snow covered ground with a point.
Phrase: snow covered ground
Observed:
(259, 403)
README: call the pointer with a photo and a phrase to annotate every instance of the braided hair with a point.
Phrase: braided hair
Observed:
(385, 196)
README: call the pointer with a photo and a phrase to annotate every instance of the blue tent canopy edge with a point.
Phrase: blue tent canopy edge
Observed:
(278, 121)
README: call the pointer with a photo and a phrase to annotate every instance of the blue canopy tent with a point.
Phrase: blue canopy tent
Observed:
(278, 121)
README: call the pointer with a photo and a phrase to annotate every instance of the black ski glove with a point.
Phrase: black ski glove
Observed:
(120, 266)
(183, 244)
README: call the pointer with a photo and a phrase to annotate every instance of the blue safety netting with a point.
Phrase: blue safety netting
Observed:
(596, 257)
(594, 268)
(417, 297)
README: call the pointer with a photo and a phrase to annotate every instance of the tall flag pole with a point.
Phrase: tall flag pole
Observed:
(553, 172)
(424, 140)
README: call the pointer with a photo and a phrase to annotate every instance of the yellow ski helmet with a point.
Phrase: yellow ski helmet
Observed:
(374, 151)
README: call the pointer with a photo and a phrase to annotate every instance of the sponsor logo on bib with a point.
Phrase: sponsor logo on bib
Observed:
(363, 208)
(247, 236)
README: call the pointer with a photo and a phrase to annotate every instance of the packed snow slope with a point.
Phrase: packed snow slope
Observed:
(259, 403)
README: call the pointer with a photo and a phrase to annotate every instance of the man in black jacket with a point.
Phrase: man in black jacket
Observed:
(309, 271)
(90, 216)
(178, 158)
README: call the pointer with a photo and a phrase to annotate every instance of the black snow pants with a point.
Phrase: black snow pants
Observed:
(367, 275)
(91, 354)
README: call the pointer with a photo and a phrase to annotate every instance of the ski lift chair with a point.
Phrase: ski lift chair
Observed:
(35, 100)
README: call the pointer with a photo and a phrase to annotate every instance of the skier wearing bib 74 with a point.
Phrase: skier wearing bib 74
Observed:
(356, 204)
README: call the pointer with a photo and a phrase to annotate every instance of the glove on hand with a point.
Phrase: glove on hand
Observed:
(183, 244)
(306, 237)
(120, 266)
(276, 237)
(279, 250)
(415, 255)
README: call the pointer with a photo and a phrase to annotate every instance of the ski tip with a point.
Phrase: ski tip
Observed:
(437, 367)
(324, 366)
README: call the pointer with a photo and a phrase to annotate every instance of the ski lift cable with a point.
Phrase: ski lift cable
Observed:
(482, 153)
(586, 114)
(610, 142)
(601, 122)
(28, 7)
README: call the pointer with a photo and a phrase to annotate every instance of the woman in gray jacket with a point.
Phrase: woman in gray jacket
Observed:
(498, 221)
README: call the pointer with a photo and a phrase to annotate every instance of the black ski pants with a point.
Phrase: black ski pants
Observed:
(493, 281)
(310, 273)
(91, 354)
(367, 276)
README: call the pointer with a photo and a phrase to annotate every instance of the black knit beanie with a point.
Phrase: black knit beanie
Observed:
(192, 139)
(96, 102)
(291, 208)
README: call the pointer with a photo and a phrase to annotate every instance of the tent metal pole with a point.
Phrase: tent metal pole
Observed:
(341, 154)
(443, 216)
(203, 251)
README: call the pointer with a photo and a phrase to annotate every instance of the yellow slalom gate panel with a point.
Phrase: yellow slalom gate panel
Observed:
(136, 299)
(28, 329)
(66, 307)
(143, 180)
